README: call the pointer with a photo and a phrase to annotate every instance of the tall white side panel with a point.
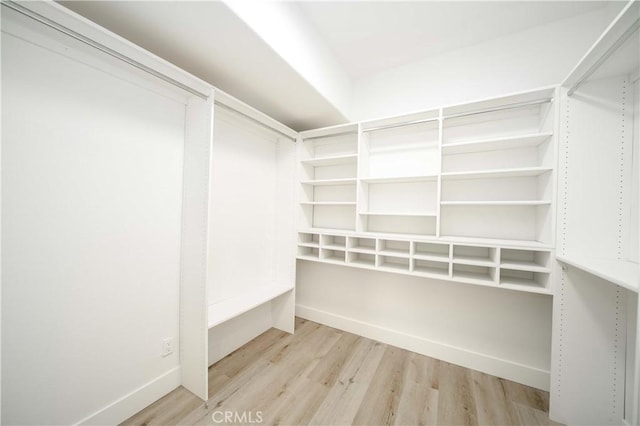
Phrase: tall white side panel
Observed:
(91, 214)
(195, 229)
(588, 363)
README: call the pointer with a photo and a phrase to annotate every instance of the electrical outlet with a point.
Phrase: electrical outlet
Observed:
(168, 346)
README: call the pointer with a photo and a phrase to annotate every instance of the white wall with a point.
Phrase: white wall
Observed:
(503, 332)
(92, 187)
(532, 58)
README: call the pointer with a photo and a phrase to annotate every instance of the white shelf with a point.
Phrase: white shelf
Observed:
(400, 179)
(408, 214)
(330, 160)
(363, 250)
(312, 245)
(431, 272)
(330, 182)
(473, 277)
(220, 312)
(473, 260)
(526, 244)
(434, 257)
(394, 253)
(492, 144)
(622, 273)
(329, 203)
(496, 203)
(524, 266)
(334, 247)
(524, 285)
(496, 173)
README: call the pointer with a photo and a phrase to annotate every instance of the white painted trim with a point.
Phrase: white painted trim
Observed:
(516, 372)
(130, 404)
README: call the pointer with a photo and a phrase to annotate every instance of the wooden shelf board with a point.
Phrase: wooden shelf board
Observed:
(524, 266)
(622, 273)
(330, 160)
(223, 311)
(497, 203)
(330, 182)
(400, 179)
(496, 173)
(492, 144)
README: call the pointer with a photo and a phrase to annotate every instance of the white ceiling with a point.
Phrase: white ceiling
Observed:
(212, 42)
(369, 37)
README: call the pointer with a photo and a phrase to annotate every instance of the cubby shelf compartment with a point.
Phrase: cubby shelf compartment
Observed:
(430, 268)
(331, 255)
(431, 251)
(491, 144)
(361, 259)
(527, 279)
(526, 268)
(361, 245)
(475, 255)
(394, 263)
(525, 260)
(328, 203)
(474, 274)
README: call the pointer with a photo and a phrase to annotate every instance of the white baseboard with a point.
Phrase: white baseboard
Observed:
(125, 407)
(510, 370)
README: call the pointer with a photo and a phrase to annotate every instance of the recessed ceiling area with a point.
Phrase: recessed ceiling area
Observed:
(300, 61)
(369, 37)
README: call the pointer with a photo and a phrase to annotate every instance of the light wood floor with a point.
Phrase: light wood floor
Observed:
(325, 376)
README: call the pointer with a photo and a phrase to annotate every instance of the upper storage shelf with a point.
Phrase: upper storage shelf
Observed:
(481, 173)
(599, 157)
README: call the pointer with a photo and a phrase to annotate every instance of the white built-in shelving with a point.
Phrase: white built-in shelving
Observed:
(595, 361)
(498, 266)
(480, 173)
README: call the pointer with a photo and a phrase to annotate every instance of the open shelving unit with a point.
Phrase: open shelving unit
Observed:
(595, 324)
(498, 266)
(479, 174)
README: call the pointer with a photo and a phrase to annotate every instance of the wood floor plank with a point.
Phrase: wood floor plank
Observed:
(456, 402)
(493, 405)
(418, 400)
(324, 376)
(380, 404)
(342, 402)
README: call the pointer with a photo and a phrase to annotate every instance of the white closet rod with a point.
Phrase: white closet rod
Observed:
(248, 117)
(99, 46)
(350, 132)
(610, 51)
(501, 108)
(392, 126)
